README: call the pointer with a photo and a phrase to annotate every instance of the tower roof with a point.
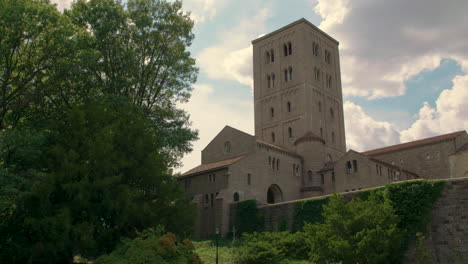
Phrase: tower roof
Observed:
(302, 20)
(309, 136)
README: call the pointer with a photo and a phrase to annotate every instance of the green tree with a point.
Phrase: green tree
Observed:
(99, 177)
(361, 231)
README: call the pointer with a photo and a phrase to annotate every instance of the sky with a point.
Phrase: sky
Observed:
(404, 65)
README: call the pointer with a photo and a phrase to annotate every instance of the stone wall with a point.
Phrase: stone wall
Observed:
(447, 238)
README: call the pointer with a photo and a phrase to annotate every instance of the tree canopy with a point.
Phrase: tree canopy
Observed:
(89, 127)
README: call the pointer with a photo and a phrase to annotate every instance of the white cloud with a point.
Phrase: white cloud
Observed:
(203, 10)
(364, 133)
(62, 4)
(209, 115)
(384, 43)
(449, 115)
(231, 57)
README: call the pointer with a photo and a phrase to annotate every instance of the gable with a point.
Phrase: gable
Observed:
(229, 143)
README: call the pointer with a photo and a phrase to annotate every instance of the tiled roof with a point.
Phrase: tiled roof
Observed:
(328, 165)
(213, 165)
(463, 148)
(277, 147)
(309, 135)
(413, 144)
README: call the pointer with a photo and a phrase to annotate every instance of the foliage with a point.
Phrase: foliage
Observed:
(413, 202)
(98, 177)
(309, 211)
(248, 219)
(152, 247)
(354, 232)
(268, 247)
(227, 250)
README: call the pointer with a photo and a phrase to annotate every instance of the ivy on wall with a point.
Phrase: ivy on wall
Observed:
(309, 211)
(248, 219)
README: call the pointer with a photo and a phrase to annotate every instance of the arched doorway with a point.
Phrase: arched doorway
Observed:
(274, 194)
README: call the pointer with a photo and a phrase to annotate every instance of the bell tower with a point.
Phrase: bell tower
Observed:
(297, 87)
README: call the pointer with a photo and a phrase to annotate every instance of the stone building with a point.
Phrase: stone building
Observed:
(299, 147)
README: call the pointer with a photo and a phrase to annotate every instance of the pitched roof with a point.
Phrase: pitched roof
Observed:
(462, 148)
(413, 144)
(212, 166)
(309, 136)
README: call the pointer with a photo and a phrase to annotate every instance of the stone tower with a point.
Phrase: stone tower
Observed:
(297, 90)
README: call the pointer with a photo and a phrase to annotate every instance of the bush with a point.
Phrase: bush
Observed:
(248, 219)
(268, 247)
(152, 247)
(309, 211)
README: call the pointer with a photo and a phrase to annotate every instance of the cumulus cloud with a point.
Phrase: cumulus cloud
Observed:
(203, 10)
(364, 132)
(231, 57)
(209, 115)
(450, 113)
(384, 43)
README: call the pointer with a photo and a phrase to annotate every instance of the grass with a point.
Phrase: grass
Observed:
(206, 249)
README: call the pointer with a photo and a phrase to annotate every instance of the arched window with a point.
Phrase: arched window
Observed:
(290, 132)
(277, 164)
(272, 112)
(273, 77)
(267, 57)
(290, 74)
(289, 48)
(329, 81)
(309, 177)
(289, 106)
(273, 163)
(285, 49)
(315, 49)
(236, 197)
(285, 75)
(272, 54)
(333, 137)
(268, 81)
(332, 113)
(320, 106)
(316, 74)
(273, 140)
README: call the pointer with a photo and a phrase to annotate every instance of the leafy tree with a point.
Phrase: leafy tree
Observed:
(361, 231)
(100, 177)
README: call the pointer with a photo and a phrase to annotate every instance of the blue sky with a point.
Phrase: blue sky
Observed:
(403, 63)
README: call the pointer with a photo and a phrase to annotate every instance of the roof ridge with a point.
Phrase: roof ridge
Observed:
(415, 143)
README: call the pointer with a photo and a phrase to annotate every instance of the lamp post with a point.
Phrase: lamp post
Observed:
(217, 234)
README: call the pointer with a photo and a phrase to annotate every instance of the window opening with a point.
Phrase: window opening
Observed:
(236, 197)
(322, 178)
(272, 54)
(273, 139)
(290, 132)
(309, 177)
(248, 178)
(355, 165)
(289, 48)
(290, 74)
(273, 77)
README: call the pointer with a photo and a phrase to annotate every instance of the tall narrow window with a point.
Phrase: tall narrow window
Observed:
(285, 75)
(355, 165)
(315, 47)
(290, 73)
(249, 180)
(273, 77)
(268, 81)
(289, 106)
(309, 177)
(332, 113)
(290, 132)
(333, 176)
(320, 106)
(273, 164)
(236, 197)
(322, 179)
(272, 54)
(272, 112)
(273, 140)
(267, 57)
(285, 49)
(349, 167)
(277, 164)
(212, 199)
(289, 48)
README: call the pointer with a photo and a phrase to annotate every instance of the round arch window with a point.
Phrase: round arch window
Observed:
(236, 197)
(227, 147)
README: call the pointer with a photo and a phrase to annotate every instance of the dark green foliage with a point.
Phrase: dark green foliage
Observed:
(413, 202)
(97, 177)
(309, 211)
(268, 247)
(354, 232)
(152, 247)
(248, 219)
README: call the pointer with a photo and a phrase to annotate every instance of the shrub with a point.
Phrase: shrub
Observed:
(248, 219)
(309, 211)
(152, 247)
